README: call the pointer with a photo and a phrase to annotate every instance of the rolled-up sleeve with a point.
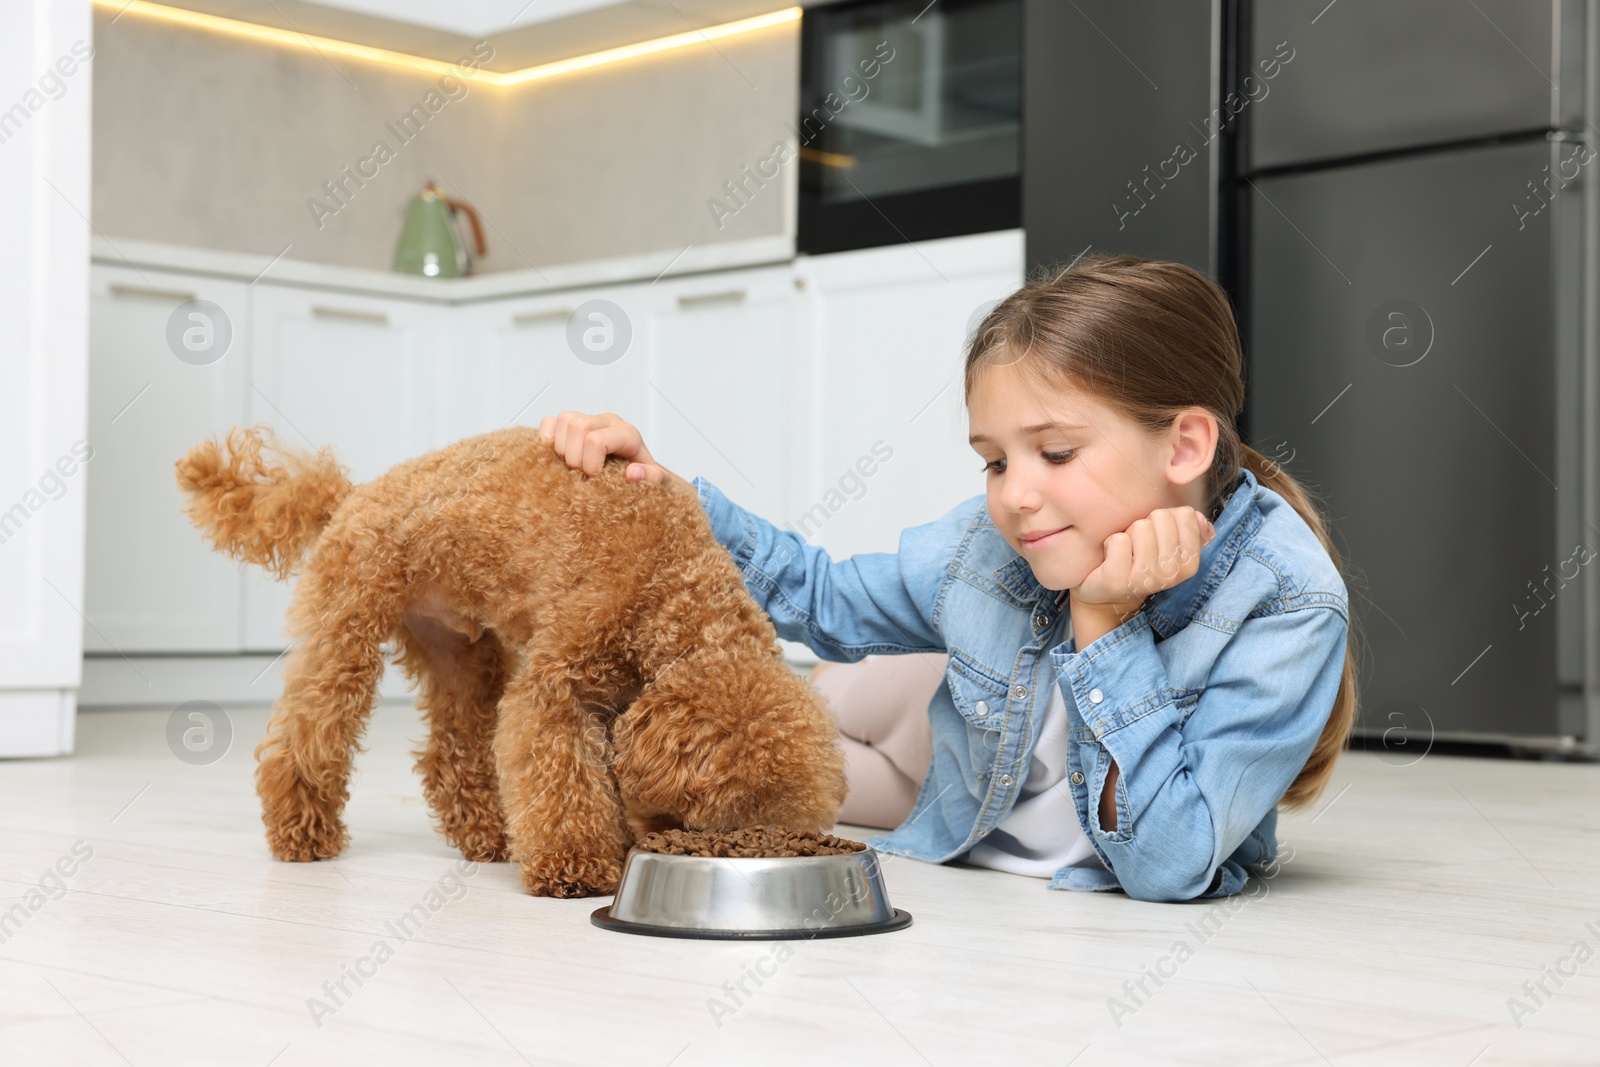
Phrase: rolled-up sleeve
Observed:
(1199, 770)
(876, 602)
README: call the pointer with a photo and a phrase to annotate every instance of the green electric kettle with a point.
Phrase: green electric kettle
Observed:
(430, 242)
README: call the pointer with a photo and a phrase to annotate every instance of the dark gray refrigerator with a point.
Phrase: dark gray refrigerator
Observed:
(1415, 205)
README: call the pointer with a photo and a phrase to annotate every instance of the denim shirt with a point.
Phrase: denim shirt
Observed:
(1210, 698)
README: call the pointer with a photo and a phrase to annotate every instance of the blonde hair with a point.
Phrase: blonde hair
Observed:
(1151, 338)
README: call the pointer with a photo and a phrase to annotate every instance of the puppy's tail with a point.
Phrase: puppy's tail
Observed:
(261, 510)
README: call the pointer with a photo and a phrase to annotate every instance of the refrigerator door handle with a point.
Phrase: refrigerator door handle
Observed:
(1578, 88)
(1574, 379)
(1567, 65)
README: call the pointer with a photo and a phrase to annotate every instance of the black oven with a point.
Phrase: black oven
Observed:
(910, 123)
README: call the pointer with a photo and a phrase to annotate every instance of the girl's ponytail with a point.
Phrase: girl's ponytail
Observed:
(1313, 777)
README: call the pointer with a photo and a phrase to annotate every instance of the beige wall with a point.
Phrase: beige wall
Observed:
(217, 142)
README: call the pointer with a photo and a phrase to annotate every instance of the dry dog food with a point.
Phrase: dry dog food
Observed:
(752, 841)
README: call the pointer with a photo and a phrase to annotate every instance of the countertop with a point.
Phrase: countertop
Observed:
(285, 270)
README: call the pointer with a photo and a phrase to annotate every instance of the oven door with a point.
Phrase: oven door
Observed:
(910, 121)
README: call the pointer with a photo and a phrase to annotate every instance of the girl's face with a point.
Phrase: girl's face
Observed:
(1063, 472)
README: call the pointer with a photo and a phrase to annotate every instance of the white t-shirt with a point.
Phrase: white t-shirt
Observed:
(1041, 833)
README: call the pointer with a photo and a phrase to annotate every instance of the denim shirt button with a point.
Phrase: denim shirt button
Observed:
(1077, 777)
(1096, 696)
(1018, 692)
(981, 708)
(1006, 779)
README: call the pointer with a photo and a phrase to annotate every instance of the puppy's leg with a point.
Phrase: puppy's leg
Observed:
(340, 618)
(460, 683)
(562, 807)
(303, 772)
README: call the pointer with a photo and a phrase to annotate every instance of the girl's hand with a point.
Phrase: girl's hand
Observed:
(1155, 553)
(584, 442)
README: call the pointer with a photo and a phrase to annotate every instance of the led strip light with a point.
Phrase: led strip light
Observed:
(294, 39)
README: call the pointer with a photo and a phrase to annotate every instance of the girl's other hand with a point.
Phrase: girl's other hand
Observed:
(1155, 553)
(584, 442)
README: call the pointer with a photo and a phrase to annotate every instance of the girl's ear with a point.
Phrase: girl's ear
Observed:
(1194, 445)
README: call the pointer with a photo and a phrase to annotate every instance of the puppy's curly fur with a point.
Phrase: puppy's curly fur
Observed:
(589, 661)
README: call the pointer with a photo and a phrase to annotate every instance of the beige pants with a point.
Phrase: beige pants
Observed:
(881, 705)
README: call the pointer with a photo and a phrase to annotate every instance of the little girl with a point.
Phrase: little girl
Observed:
(1135, 642)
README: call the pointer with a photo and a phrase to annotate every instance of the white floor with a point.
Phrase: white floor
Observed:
(1414, 906)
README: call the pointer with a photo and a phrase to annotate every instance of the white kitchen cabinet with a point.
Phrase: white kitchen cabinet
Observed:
(513, 362)
(44, 361)
(348, 371)
(721, 360)
(153, 583)
(699, 363)
(886, 447)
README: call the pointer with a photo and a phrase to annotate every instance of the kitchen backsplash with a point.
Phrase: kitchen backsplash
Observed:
(215, 142)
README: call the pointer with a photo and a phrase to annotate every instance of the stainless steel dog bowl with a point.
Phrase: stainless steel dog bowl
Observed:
(765, 898)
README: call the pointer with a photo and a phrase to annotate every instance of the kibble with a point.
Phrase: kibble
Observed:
(750, 842)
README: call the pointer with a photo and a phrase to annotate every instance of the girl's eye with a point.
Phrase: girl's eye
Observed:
(998, 465)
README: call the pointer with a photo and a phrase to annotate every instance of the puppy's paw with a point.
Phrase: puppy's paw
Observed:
(306, 841)
(571, 876)
(302, 823)
(485, 847)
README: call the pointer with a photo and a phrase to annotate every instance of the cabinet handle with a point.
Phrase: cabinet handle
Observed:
(139, 292)
(379, 317)
(729, 296)
(528, 318)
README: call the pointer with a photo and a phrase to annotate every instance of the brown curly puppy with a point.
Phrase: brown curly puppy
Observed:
(589, 661)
